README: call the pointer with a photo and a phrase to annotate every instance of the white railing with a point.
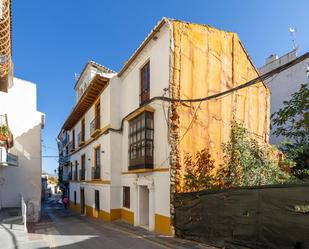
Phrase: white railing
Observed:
(24, 212)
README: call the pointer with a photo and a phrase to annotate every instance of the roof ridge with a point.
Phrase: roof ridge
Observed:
(92, 62)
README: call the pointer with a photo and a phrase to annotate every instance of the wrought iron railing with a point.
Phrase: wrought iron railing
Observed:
(75, 176)
(70, 176)
(95, 125)
(82, 173)
(96, 173)
(81, 138)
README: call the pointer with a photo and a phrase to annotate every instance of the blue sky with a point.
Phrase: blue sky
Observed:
(52, 40)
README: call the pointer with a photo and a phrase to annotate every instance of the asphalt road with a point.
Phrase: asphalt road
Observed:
(63, 229)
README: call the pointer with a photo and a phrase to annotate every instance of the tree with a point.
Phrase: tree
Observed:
(198, 171)
(248, 163)
(292, 122)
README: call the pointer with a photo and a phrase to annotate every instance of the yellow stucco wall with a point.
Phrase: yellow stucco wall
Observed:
(207, 61)
(163, 224)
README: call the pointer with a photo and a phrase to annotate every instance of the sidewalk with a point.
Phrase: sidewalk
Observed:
(12, 231)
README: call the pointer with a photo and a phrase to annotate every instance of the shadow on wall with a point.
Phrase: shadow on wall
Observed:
(25, 179)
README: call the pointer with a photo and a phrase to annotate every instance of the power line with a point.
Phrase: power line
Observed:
(257, 80)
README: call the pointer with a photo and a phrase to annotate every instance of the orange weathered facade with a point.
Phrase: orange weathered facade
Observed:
(207, 61)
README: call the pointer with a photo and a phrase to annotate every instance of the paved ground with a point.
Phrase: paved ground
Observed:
(63, 229)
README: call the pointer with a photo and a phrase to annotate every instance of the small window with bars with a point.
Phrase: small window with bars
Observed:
(126, 197)
(141, 135)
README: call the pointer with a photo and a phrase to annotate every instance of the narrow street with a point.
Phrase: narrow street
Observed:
(61, 228)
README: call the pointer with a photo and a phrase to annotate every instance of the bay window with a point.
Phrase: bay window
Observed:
(141, 134)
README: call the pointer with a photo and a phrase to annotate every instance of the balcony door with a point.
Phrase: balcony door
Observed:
(82, 130)
(97, 116)
(83, 161)
(82, 201)
(97, 157)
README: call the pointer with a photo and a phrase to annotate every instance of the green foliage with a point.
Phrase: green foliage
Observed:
(198, 171)
(4, 130)
(292, 122)
(248, 163)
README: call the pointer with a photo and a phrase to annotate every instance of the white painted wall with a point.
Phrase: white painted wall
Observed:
(120, 98)
(25, 124)
(284, 84)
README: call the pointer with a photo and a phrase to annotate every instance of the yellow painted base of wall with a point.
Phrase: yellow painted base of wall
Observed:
(75, 208)
(127, 216)
(115, 214)
(92, 212)
(163, 225)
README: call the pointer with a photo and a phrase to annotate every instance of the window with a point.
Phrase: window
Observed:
(145, 83)
(97, 115)
(82, 131)
(97, 157)
(126, 197)
(73, 139)
(76, 171)
(141, 142)
(82, 170)
(97, 200)
(96, 170)
(74, 197)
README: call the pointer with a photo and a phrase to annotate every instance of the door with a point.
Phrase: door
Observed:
(83, 169)
(144, 206)
(97, 116)
(82, 201)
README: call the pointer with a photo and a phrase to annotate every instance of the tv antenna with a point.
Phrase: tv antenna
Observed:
(293, 36)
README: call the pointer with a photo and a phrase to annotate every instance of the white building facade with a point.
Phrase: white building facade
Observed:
(122, 174)
(284, 84)
(20, 173)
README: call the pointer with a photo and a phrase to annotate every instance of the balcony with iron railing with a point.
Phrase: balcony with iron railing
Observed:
(95, 126)
(82, 174)
(81, 138)
(71, 146)
(66, 176)
(70, 176)
(64, 140)
(65, 160)
(75, 176)
(96, 173)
